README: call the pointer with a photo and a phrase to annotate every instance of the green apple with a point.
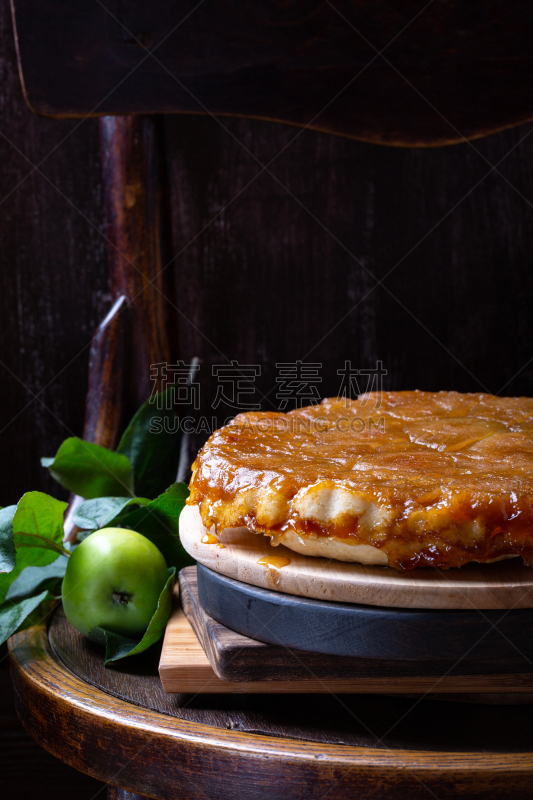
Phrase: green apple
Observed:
(113, 581)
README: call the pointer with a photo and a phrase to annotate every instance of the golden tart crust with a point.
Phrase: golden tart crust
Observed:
(408, 479)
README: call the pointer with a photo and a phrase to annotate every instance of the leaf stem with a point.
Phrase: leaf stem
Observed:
(50, 545)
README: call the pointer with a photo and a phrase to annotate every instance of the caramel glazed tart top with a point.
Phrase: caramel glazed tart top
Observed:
(418, 478)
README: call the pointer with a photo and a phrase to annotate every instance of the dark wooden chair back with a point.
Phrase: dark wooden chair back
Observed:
(412, 74)
(371, 71)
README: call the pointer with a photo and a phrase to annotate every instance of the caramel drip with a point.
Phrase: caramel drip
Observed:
(276, 562)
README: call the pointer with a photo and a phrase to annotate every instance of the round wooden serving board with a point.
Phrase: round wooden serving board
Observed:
(506, 584)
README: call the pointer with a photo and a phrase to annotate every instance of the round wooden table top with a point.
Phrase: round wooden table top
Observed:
(118, 725)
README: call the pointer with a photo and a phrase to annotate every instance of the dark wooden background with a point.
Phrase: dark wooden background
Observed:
(270, 265)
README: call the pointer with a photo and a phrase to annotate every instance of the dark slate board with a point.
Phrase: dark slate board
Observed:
(235, 657)
(369, 632)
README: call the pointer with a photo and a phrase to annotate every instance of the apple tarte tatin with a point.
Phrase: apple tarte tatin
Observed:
(405, 479)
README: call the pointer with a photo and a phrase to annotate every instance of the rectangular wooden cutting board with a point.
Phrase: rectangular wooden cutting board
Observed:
(199, 655)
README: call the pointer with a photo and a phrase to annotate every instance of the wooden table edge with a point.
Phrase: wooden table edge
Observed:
(54, 705)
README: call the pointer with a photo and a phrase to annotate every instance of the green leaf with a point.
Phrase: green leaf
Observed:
(159, 522)
(7, 546)
(103, 512)
(152, 443)
(14, 614)
(118, 647)
(37, 534)
(31, 579)
(38, 522)
(90, 470)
